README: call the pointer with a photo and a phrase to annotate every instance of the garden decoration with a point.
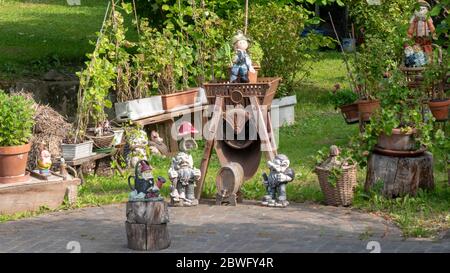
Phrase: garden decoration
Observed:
(44, 162)
(186, 130)
(241, 149)
(157, 145)
(147, 213)
(422, 29)
(145, 188)
(184, 177)
(137, 142)
(275, 183)
(414, 56)
(242, 64)
(337, 176)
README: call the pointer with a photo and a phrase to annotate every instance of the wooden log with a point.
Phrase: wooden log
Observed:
(400, 175)
(152, 213)
(147, 237)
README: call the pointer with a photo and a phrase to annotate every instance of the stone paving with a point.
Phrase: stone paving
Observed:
(207, 228)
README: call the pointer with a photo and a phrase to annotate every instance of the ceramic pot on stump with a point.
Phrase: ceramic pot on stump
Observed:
(398, 140)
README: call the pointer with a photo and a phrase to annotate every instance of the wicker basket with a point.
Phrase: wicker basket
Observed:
(102, 141)
(238, 93)
(342, 194)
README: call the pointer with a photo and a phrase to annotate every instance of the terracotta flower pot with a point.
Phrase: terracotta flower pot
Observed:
(179, 99)
(439, 109)
(398, 140)
(13, 160)
(350, 113)
(253, 77)
(366, 108)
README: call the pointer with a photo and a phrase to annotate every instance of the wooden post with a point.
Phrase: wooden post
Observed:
(400, 175)
(262, 129)
(210, 139)
(146, 225)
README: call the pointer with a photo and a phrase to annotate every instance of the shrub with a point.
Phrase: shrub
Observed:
(16, 119)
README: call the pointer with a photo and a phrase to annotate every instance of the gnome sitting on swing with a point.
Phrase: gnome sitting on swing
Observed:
(242, 63)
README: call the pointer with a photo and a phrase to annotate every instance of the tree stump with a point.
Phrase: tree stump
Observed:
(400, 175)
(146, 225)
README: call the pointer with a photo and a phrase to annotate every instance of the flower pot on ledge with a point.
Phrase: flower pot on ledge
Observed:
(139, 109)
(13, 162)
(179, 100)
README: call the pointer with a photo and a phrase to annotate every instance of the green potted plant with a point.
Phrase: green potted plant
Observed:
(399, 128)
(336, 170)
(16, 124)
(345, 99)
(256, 54)
(167, 58)
(437, 79)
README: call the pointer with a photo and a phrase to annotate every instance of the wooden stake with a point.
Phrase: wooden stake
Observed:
(217, 115)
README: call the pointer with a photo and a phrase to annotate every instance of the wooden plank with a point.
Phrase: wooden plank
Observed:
(210, 139)
(31, 195)
(167, 116)
(262, 129)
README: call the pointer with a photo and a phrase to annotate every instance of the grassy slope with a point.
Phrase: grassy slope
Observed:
(38, 34)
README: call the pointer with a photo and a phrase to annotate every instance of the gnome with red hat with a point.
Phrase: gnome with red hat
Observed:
(186, 130)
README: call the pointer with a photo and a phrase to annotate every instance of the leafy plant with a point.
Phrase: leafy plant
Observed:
(334, 163)
(384, 27)
(341, 97)
(436, 77)
(401, 109)
(16, 119)
(256, 53)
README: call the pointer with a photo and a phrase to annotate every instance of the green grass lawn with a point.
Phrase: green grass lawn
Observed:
(38, 35)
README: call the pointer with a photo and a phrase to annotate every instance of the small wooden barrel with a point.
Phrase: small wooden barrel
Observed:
(228, 182)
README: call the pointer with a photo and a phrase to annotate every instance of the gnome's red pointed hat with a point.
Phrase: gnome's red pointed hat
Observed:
(186, 129)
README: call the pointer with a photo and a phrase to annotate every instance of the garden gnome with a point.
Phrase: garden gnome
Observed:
(138, 143)
(275, 183)
(185, 131)
(44, 161)
(421, 28)
(145, 188)
(157, 145)
(184, 178)
(242, 63)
